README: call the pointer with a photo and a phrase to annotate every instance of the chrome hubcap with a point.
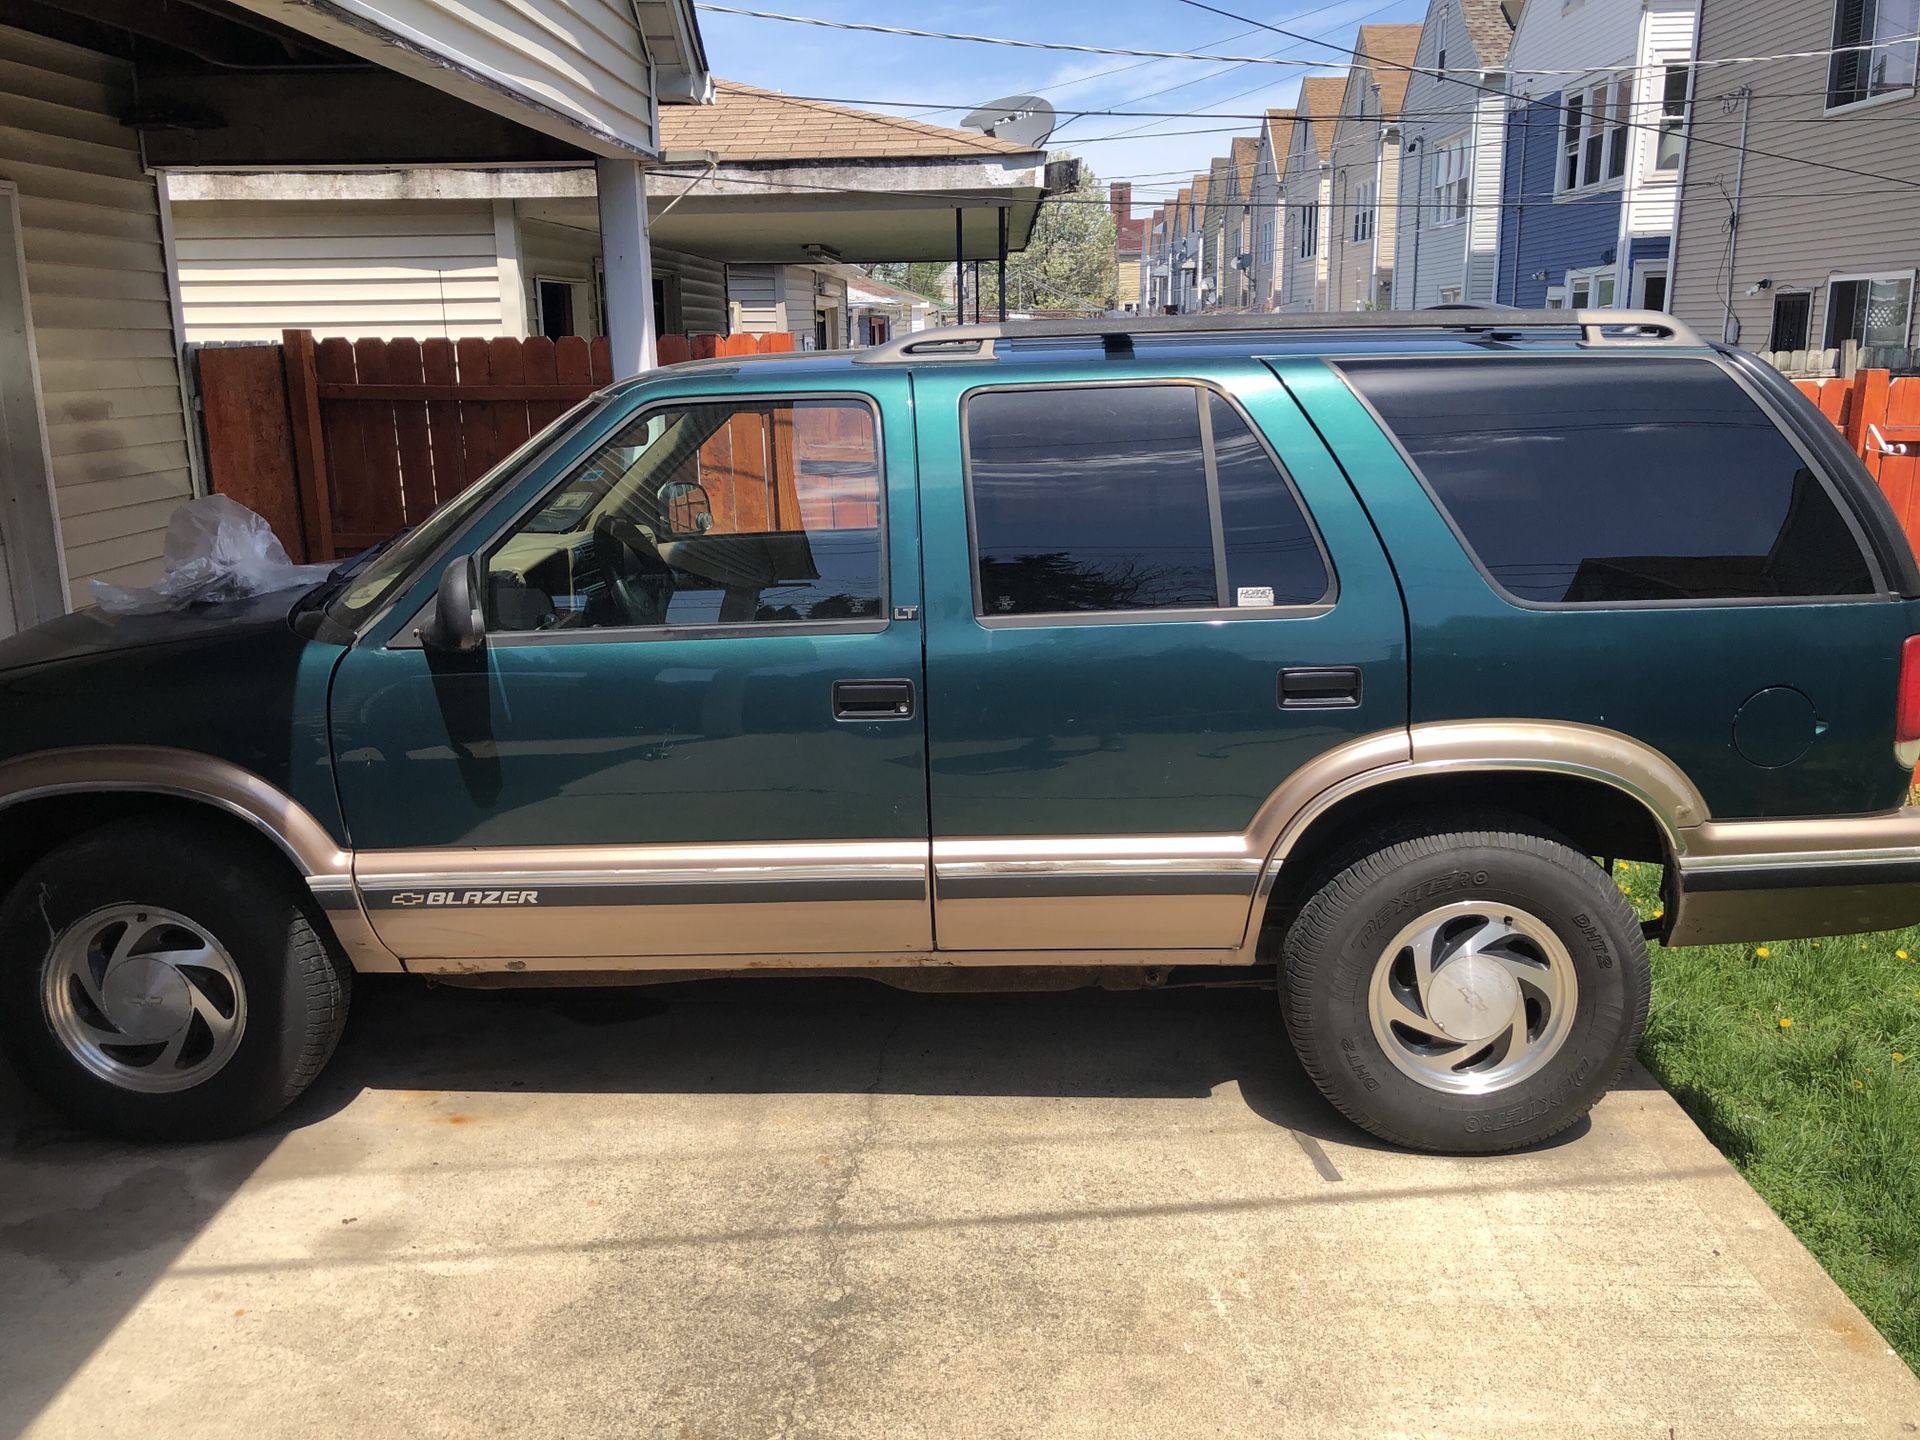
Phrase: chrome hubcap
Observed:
(1472, 998)
(144, 998)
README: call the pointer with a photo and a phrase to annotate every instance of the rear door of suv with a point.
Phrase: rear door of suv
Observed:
(1152, 598)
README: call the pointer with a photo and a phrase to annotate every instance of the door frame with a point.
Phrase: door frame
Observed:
(36, 562)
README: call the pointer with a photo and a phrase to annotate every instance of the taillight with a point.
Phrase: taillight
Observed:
(1906, 710)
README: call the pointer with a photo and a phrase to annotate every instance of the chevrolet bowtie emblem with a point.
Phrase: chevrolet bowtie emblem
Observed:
(409, 897)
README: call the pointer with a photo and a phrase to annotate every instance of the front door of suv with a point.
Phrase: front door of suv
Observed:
(1152, 598)
(694, 729)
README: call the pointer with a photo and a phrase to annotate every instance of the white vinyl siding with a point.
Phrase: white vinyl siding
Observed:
(703, 289)
(103, 330)
(362, 269)
(1669, 32)
(1799, 243)
(757, 296)
(581, 63)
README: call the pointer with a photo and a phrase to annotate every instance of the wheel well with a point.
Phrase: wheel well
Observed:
(1594, 817)
(33, 828)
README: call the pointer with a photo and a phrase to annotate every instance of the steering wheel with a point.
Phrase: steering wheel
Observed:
(639, 579)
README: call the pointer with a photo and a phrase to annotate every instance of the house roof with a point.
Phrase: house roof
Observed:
(1246, 155)
(1280, 134)
(1488, 28)
(1320, 100)
(858, 279)
(746, 124)
(1389, 51)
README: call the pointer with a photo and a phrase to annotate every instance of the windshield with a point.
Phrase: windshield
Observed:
(368, 587)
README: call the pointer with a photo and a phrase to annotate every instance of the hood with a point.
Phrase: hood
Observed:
(94, 631)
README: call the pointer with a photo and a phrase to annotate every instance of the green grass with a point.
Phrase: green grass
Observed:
(1785, 1055)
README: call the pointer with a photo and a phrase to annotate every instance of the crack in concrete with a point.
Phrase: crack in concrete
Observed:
(831, 1327)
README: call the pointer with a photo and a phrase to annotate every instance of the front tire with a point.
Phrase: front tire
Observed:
(1468, 991)
(162, 980)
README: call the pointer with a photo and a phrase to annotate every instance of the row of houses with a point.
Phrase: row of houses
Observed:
(1751, 165)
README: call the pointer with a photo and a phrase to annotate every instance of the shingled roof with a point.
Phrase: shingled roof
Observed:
(1280, 134)
(1246, 156)
(1320, 99)
(1488, 28)
(746, 124)
(1388, 51)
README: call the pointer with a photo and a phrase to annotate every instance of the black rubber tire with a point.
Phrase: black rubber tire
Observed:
(1333, 945)
(297, 983)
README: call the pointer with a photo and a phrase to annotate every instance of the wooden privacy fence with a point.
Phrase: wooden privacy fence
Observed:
(340, 443)
(1880, 416)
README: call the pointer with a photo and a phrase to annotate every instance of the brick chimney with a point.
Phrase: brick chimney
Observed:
(1120, 200)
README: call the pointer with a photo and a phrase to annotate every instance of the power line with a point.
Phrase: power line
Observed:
(913, 34)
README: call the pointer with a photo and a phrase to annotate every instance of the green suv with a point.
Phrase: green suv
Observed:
(1356, 648)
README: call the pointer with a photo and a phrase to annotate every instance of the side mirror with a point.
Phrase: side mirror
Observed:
(458, 625)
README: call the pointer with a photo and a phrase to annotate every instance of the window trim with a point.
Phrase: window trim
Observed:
(1459, 210)
(1911, 276)
(1905, 92)
(1304, 611)
(637, 634)
(1842, 502)
(1617, 122)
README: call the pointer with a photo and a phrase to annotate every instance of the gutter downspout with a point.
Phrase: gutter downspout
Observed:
(1379, 179)
(1419, 221)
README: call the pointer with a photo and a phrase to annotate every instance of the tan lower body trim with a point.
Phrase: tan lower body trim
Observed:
(640, 964)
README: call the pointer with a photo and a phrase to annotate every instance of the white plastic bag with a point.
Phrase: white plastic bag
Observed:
(216, 549)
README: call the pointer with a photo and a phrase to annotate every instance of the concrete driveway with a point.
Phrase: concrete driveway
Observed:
(769, 1208)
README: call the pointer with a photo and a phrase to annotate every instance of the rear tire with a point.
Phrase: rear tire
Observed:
(1468, 992)
(162, 980)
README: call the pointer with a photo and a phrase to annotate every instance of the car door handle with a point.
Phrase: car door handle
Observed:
(1324, 687)
(873, 699)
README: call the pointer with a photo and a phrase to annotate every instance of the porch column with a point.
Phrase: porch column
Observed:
(626, 252)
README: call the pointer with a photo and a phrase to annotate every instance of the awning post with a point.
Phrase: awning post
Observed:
(626, 252)
(959, 267)
(1001, 256)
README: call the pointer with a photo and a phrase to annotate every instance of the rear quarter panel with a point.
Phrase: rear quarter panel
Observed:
(1672, 678)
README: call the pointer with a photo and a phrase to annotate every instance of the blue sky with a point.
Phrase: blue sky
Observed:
(803, 60)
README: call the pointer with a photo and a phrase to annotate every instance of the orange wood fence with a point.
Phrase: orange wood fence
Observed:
(1880, 416)
(340, 443)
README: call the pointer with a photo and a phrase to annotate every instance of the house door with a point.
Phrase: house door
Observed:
(30, 585)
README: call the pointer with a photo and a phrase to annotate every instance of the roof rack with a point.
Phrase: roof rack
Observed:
(1637, 328)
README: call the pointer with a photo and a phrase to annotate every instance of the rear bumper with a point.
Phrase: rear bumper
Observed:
(1781, 879)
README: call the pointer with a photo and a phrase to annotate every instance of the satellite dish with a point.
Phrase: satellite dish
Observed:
(1022, 119)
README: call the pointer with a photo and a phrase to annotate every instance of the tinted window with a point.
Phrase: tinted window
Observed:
(1605, 480)
(1269, 545)
(707, 514)
(1098, 499)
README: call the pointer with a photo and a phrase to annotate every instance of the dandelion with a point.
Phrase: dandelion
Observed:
(1786, 1022)
(1899, 1058)
(1816, 944)
(1762, 951)
(1899, 954)
(1859, 1084)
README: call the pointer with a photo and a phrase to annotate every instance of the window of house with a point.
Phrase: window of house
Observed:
(1309, 231)
(1363, 212)
(742, 512)
(1874, 50)
(1595, 134)
(1674, 88)
(1451, 181)
(1872, 309)
(1590, 289)
(1134, 497)
(1449, 294)
(1792, 320)
(1617, 480)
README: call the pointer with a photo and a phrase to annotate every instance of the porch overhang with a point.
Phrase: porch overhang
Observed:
(859, 211)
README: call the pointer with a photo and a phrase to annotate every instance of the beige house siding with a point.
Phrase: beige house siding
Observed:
(1800, 224)
(250, 269)
(103, 327)
(1362, 157)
